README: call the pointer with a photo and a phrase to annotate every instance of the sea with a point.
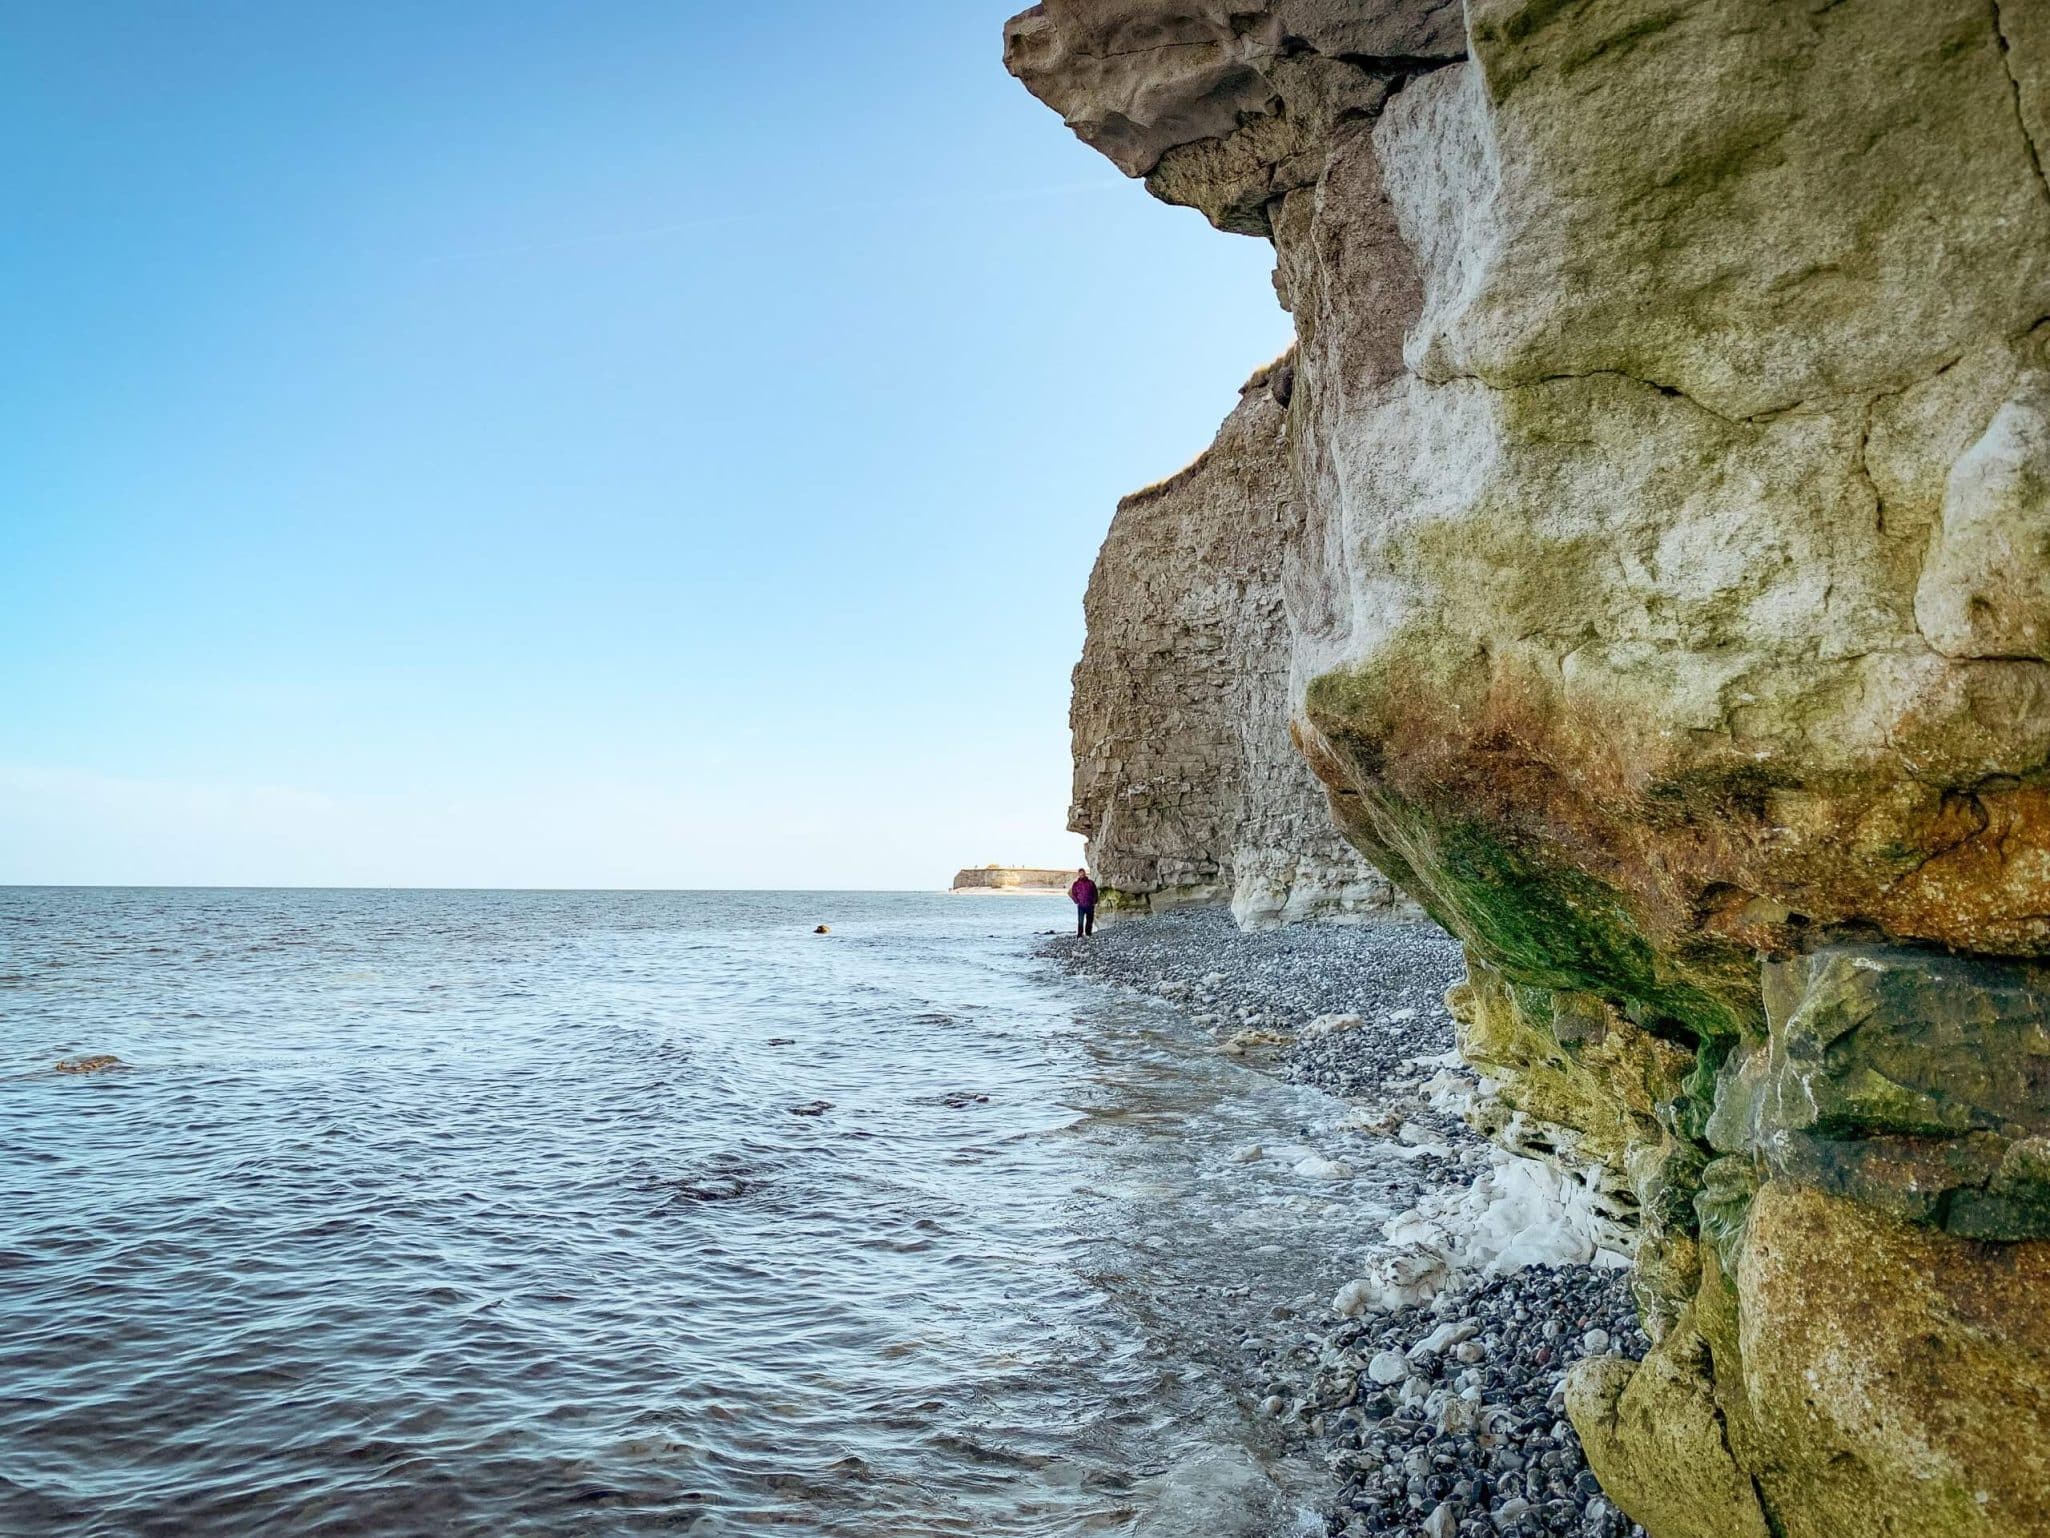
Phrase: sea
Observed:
(474, 1212)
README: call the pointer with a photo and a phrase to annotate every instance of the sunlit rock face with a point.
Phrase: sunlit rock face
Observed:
(1186, 783)
(1669, 614)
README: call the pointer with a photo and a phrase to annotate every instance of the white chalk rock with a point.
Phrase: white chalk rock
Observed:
(1444, 1337)
(1396, 1280)
(1388, 1367)
(1317, 1167)
(1353, 1299)
(1449, 1092)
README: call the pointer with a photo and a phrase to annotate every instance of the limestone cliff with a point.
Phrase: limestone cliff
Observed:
(1186, 784)
(1669, 614)
(1011, 878)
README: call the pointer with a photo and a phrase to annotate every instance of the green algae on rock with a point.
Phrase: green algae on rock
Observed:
(1914, 1081)
(1665, 479)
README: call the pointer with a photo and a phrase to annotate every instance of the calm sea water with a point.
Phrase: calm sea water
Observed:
(490, 1213)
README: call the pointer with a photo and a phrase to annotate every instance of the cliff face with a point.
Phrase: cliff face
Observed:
(1669, 614)
(1186, 784)
(1011, 878)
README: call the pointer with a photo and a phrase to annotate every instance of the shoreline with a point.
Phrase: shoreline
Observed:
(1005, 891)
(1431, 1388)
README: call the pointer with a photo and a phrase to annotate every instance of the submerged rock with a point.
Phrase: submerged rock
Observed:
(1647, 543)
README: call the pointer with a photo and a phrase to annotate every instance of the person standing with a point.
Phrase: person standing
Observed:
(1083, 891)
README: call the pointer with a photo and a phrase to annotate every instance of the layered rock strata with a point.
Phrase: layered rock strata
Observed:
(1667, 608)
(1187, 786)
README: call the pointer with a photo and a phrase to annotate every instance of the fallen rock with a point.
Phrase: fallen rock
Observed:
(1388, 1367)
(1239, 1043)
(1317, 1167)
(1330, 1025)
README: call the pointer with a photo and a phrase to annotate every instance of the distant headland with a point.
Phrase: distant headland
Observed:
(1011, 878)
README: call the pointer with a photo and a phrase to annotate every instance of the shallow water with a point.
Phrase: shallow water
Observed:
(470, 1212)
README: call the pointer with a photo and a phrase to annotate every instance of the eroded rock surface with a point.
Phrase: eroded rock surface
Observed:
(1223, 106)
(1668, 612)
(1186, 784)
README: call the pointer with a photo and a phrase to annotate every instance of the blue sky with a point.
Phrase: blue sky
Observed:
(613, 443)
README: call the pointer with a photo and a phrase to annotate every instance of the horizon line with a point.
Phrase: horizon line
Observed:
(233, 886)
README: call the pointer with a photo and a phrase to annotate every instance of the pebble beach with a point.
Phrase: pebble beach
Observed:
(1431, 1387)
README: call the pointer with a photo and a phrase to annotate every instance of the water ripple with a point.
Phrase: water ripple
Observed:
(452, 1213)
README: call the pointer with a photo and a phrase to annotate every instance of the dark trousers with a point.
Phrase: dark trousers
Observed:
(1085, 919)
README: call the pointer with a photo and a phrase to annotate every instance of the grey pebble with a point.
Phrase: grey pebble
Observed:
(1466, 1441)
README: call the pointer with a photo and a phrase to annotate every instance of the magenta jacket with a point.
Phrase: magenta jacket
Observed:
(1084, 892)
